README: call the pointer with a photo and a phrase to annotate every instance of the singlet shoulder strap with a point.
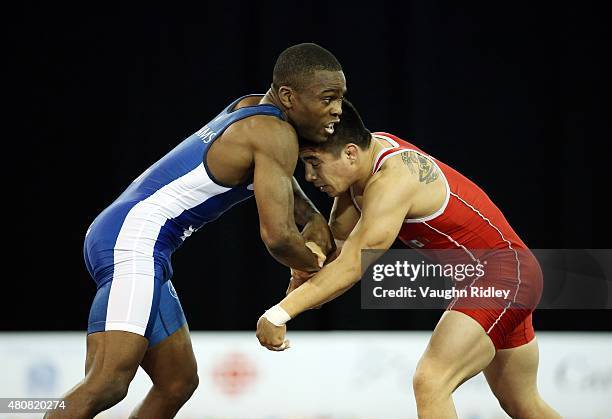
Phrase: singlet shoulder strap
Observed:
(259, 109)
(384, 154)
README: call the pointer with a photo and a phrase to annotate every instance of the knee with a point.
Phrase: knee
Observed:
(108, 390)
(511, 407)
(188, 386)
(180, 390)
(428, 382)
(519, 407)
(116, 391)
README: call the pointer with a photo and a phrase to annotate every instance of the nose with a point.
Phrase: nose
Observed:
(337, 108)
(310, 174)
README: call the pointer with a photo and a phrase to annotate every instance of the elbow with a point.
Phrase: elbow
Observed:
(277, 240)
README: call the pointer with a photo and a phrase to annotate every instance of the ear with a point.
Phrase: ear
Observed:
(285, 94)
(351, 151)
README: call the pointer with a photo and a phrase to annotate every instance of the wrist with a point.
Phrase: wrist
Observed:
(276, 315)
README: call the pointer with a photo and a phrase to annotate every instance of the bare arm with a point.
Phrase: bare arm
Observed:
(304, 209)
(343, 217)
(384, 210)
(342, 220)
(315, 225)
(385, 204)
(275, 157)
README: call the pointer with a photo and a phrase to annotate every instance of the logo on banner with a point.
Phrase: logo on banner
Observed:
(234, 374)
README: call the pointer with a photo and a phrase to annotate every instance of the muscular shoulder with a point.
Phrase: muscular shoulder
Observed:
(410, 179)
(421, 168)
(391, 178)
(271, 141)
(409, 169)
(267, 133)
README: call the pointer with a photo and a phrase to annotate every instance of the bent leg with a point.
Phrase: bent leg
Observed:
(512, 376)
(118, 336)
(458, 349)
(169, 361)
(112, 361)
(173, 370)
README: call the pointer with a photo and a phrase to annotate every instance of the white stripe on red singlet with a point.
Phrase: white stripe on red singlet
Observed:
(456, 243)
(518, 262)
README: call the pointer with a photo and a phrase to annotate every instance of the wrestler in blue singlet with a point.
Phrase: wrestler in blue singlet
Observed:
(129, 245)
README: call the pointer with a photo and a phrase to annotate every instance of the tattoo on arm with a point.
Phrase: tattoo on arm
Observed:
(428, 172)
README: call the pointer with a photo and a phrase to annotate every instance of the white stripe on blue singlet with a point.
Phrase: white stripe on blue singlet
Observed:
(131, 293)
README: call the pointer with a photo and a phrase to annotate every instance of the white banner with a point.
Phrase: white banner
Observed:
(331, 375)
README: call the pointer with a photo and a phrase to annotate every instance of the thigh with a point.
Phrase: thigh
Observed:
(114, 352)
(512, 373)
(127, 301)
(500, 303)
(169, 316)
(171, 360)
(170, 356)
(458, 349)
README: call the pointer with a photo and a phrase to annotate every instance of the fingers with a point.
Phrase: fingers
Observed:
(276, 348)
(270, 336)
(314, 248)
(284, 346)
(301, 275)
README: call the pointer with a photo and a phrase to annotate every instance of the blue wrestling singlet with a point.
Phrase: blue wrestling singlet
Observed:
(129, 245)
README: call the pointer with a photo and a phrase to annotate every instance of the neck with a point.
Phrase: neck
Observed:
(272, 98)
(365, 170)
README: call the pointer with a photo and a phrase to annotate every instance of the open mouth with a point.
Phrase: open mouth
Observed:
(329, 129)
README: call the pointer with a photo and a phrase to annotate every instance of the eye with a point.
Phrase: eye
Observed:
(327, 100)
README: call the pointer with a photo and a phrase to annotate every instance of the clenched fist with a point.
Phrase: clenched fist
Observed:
(271, 336)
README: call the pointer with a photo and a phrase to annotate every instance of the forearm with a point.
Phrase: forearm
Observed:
(291, 251)
(338, 293)
(382, 217)
(303, 209)
(333, 280)
(315, 225)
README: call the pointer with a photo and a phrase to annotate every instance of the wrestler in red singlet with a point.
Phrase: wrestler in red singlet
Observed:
(470, 221)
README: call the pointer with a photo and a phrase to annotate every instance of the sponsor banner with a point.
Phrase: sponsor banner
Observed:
(334, 375)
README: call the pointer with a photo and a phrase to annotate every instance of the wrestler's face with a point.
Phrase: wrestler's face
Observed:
(331, 173)
(315, 108)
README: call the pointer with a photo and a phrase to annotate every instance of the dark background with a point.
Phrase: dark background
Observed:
(512, 96)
